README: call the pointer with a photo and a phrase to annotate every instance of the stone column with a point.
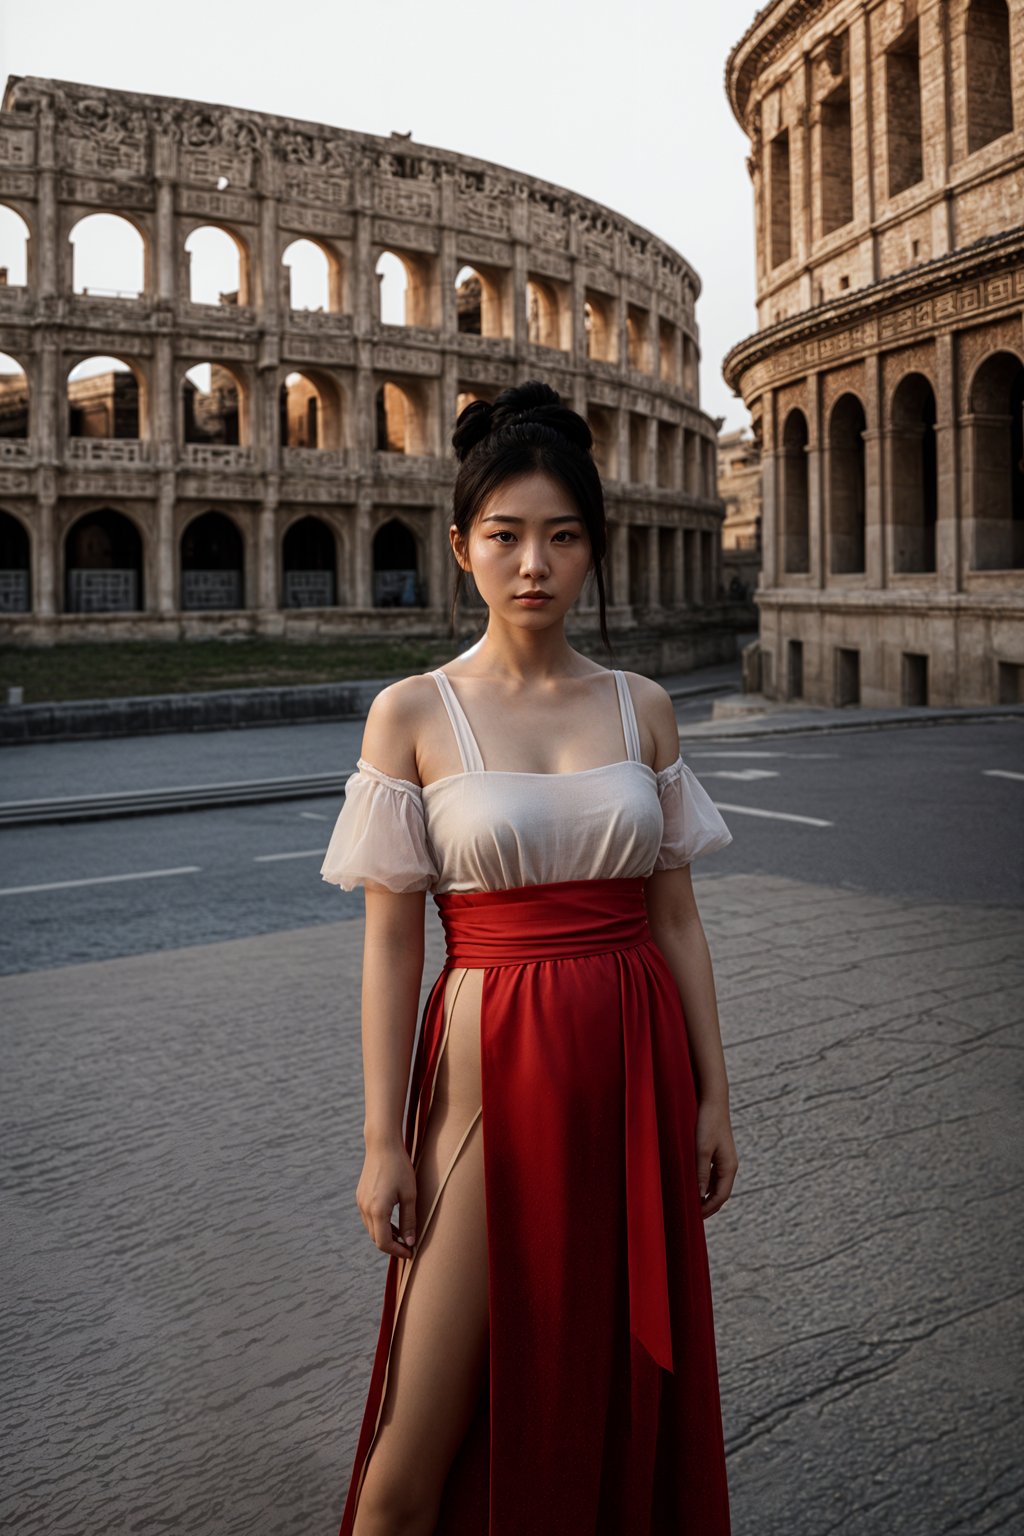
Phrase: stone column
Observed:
(678, 567)
(817, 498)
(948, 567)
(46, 236)
(878, 518)
(267, 595)
(520, 269)
(165, 542)
(45, 598)
(362, 573)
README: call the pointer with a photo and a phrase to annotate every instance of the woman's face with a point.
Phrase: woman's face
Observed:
(528, 536)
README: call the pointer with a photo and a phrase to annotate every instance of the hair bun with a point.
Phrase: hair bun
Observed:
(532, 402)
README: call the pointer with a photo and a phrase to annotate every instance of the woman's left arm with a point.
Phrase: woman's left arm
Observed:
(678, 932)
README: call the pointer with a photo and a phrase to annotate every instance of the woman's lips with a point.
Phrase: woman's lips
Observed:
(533, 602)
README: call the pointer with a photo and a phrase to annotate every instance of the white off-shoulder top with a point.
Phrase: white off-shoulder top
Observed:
(492, 829)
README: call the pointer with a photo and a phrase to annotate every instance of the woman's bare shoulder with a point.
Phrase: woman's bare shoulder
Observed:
(394, 722)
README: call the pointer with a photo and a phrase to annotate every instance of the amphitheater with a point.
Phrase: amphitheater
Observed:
(886, 380)
(250, 462)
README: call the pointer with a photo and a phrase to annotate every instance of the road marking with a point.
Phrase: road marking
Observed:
(1002, 773)
(755, 810)
(63, 885)
(313, 816)
(746, 774)
(304, 853)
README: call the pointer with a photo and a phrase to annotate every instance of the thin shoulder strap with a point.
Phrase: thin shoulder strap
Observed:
(469, 752)
(630, 729)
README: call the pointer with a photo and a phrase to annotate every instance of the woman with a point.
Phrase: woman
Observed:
(546, 1358)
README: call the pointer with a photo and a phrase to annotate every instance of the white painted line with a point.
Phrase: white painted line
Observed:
(305, 853)
(313, 816)
(1002, 773)
(754, 810)
(800, 756)
(63, 885)
(745, 774)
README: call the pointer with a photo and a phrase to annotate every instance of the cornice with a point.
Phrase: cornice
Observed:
(766, 37)
(989, 254)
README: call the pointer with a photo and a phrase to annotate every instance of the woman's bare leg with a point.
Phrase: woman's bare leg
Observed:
(440, 1343)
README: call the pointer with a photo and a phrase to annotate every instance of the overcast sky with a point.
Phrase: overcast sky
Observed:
(624, 105)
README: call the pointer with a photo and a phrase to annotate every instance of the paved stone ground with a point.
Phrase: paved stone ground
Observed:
(191, 1301)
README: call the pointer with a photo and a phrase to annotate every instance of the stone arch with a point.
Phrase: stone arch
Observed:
(404, 290)
(602, 425)
(312, 276)
(988, 73)
(310, 410)
(15, 400)
(103, 563)
(847, 517)
(913, 474)
(600, 326)
(995, 454)
(480, 308)
(212, 563)
(544, 315)
(309, 563)
(216, 268)
(214, 405)
(691, 362)
(795, 498)
(401, 418)
(397, 566)
(15, 245)
(108, 245)
(15, 565)
(638, 338)
(106, 399)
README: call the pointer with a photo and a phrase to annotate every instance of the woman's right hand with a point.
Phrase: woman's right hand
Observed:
(388, 1178)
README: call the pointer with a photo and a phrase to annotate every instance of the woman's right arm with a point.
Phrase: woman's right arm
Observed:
(392, 976)
(393, 951)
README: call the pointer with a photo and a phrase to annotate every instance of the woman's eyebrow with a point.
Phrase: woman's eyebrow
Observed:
(500, 517)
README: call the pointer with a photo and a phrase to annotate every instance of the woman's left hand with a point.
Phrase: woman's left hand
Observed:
(716, 1156)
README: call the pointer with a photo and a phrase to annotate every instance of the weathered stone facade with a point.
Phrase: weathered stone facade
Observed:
(886, 381)
(307, 485)
(739, 486)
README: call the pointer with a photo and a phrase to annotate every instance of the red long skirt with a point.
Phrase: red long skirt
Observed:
(600, 1412)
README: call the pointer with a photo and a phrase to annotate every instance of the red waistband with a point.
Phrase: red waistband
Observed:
(543, 922)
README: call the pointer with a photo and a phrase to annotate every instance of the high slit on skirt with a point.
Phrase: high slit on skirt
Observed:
(600, 1411)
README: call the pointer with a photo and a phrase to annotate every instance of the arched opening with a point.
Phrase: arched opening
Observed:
(108, 257)
(15, 566)
(211, 563)
(13, 249)
(14, 400)
(668, 352)
(313, 278)
(466, 397)
(796, 553)
(103, 565)
(212, 404)
(479, 301)
(692, 470)
(602, 425)
(404, 289)
(846, 513)
(989, 76)
(668, 455)
(400, 420)
(638, 338)
(396, 579)
(309, 412)
(543, 325)
(913, 475)
(996, 424)
(310, 565)
(668, 595)
(690, 362)
(638, 448)
(216, 267)
(104, 399)
(780, 200)
(600, 328)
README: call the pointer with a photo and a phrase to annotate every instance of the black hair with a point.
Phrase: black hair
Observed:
(528, 429)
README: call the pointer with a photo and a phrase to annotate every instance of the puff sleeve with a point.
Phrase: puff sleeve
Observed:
(380, 835)
(692, 822)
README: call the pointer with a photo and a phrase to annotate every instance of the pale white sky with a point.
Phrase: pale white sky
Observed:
(625, 105)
